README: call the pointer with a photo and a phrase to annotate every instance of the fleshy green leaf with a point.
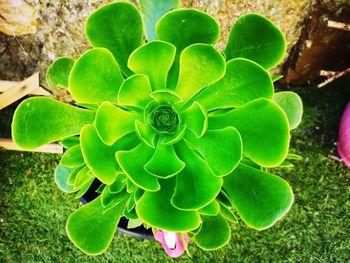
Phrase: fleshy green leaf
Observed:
(222, 149)
(200, 66)
(196, 186)
(214, 234)
(152, 11)
(256, 38)
(109, 200)
(91, 228)
(276, 77)
(165, 96)
(132, 215)
(155, 209)
(164, 162)
(184, 27)
(292, 105)
(99, 157)
(57, 74)
(261, 199)
(263, 127)
(40, 120)
(132, 162)
(212, 209)
(243, 82)
(153, 59)
(135, 91)
(61, 178)
(117, 27)
(84, 188)
(95, 77)
(73, 176)
(196, 119)
(118, 184)
(146, 133)
(227, 213)
(176, 137)
(72, 157)
(70, 141)
(133, 223)
(83, 177)
(112, 122)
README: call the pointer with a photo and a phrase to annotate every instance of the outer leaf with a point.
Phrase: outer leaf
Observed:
(164, 162)
(73, 175)
(112, 122)
(135, 91)
(196, 119)
(184, 27)
(83, 177)
(57, 74)
(200, 66)
(84, 189)
(256, 38)
(70, 141)
(227, 213)
(40, 120)
(95, 77)
(222, 149)
(72, 157)
(214, 234)
(91, 229)
(132, 162)
(292, 105)
(146, 60)
(196, 186)
(61, 178)
(152, 11)
(260, 198)
(99, 157)
(243, 82)
(210, 210)
(154, 209)
(263, 127)
(117, 27)
(118, 184)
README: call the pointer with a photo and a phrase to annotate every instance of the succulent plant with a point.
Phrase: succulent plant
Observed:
(179, 134)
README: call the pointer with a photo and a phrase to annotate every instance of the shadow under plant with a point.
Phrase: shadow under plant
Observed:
(33, 210)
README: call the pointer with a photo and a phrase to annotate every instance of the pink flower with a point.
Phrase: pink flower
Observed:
(343, 144)
(171, 242)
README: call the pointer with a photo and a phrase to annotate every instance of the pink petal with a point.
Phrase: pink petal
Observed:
(165, 237)
(343, 144)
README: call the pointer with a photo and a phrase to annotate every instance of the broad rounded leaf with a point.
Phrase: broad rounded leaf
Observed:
(91, 228)
(196, 186)
(243, 82)
(196, 119)
(153, 59)
(200, 66)
(132, 162)
(135, 91)
(72, 157)
(263, 127)
(164, 162)
(117, 27)
(57, 74)
(256, 38)
(261, 199)
(99, 157)
(184, 27)
(112, 122)
(61, 178)
(214, 234)
(222, 149)
(40, 120)
(155, 209)
(292, 105)
(152, 11)
(95, 77)
(210, 210)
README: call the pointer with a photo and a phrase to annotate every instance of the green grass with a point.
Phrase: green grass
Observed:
(317, 229)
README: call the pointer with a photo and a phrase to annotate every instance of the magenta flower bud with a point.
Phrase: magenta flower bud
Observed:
(343, 144)
(171, 242)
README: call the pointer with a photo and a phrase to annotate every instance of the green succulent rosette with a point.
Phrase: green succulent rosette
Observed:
(178, 133)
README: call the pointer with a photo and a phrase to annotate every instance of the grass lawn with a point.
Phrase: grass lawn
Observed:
(317, 229)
